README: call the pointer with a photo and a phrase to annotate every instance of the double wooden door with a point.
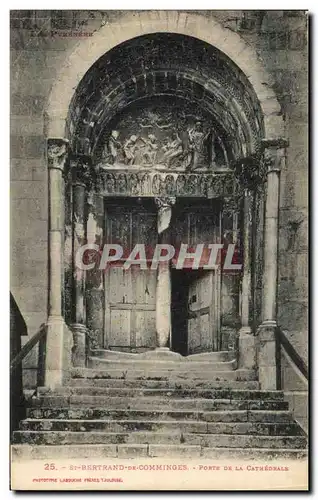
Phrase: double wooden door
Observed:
(130, 295)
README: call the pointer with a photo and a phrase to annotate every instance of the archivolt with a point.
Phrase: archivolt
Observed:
(197, 59)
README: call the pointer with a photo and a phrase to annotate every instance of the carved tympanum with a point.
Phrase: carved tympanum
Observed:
(158, 137)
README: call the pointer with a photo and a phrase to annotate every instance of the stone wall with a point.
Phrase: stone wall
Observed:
(41, 42)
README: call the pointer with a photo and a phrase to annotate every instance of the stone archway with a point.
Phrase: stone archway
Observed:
(134, 24)
(66, 120)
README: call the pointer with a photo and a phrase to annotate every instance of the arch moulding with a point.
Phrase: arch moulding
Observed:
(132, 24)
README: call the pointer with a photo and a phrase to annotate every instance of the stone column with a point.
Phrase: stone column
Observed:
(163, 290)
(274, 156)
(79, 170)
(229, 285)
(94, 278)
(56, 156)
(247, 348)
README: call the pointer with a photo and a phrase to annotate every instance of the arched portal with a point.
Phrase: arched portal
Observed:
(166, 65)
(166, 135)
(135, 24)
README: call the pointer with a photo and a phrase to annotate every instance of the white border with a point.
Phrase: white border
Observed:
(310, 5)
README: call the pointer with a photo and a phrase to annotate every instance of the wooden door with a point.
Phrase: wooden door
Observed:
(130, 295)
(193, 225)
(204, 313)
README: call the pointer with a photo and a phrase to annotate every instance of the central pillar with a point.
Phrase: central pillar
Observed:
(163, 290)
(274, 156)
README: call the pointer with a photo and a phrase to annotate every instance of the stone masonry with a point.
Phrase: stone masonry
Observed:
(40, 47)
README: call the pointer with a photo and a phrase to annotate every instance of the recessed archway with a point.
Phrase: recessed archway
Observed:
(135, 24)
(166, 65)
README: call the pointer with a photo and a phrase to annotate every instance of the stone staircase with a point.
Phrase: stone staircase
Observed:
(159, 404)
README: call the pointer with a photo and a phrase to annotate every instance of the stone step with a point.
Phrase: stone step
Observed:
(160, 365)
(164, 384)
(205, 440)
(276, 416)
(171, 393)
(165, 375)
(156, 403)
(187, 426)
(216, 356)
(42, 452)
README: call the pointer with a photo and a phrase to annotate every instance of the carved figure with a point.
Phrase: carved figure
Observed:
(172, 149)
(169, 185)
(113, 148)
(110, 183)
(121, 183)
(218, 155)
(181, 184)
(156, 184)
(145, 185)
(203, 186)
(150, 149)
(135, 184)
(129, 149)
(197, 138)
(152, 120)
(192, 184)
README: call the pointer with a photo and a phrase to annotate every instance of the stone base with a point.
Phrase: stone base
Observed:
(267, 368)
(247, 349)
(67, 354)
(298, 405)
(54, 373)
(79, 345)
(162, 353)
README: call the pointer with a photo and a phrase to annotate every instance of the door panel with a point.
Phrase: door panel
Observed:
(205, 330)
(130, 295)
(197, 224)
(130, 299)
(194, 336)
(202, 325)
(146, 328)
(119, 334)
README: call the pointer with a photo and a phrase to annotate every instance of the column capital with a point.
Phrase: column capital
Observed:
(57, 150)
(274, 151)
(164, 205)
(165, 201)
(247, 171)
(82, 170)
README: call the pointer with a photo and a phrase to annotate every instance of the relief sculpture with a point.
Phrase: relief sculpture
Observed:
(157, 138)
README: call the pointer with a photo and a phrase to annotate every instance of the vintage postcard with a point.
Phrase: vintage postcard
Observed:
(159, 280)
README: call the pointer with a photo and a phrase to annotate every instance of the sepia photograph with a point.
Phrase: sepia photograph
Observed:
(159, 249)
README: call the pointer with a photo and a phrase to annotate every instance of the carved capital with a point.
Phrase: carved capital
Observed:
(248, 172)
(164, 205)
(272, 160)
(56, 153)
(274, 152)
(165, 202)
(82, 171)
